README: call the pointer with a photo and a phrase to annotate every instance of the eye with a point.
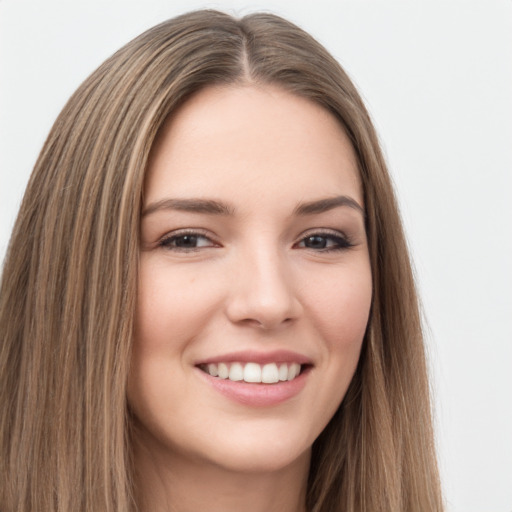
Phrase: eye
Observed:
(186, 241)
(325, 242)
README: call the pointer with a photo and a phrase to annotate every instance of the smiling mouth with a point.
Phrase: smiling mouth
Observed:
(270, 373)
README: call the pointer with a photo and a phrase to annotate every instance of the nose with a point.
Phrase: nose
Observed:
(263, 292)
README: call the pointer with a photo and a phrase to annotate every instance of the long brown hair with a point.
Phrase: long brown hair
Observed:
(68, 288)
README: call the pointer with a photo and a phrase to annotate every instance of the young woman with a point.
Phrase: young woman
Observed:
(207, 301)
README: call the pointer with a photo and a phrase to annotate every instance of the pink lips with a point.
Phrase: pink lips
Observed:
(258, 395)
(253, 356)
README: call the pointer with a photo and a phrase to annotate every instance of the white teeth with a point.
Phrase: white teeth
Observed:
(293, 371)
(223, 371)
(269, 373)
(236, 372)
(252, 372)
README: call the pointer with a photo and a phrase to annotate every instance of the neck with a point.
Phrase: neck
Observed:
(170, 482)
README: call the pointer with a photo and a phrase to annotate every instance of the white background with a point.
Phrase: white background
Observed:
(437, 78)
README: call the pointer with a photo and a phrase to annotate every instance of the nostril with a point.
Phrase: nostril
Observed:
(267, 322)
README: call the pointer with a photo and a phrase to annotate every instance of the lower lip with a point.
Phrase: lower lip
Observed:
(258, 395)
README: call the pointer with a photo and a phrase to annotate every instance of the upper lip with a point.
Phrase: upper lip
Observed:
(255, 356)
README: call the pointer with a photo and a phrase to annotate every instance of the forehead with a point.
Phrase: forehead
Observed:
(255, 140)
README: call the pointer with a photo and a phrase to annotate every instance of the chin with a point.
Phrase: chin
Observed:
(260, 462)
(260, 449)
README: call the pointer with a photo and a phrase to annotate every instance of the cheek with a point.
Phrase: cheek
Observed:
(173, 308)
(172, 305)
(341, 305)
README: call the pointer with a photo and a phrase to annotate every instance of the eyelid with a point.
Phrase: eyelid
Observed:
(322, 232)
(326, 233)
(165, 240)
(344, 241)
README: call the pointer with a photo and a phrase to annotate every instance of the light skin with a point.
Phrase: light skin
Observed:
(252, 241)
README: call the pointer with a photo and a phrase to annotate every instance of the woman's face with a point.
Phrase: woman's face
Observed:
(253, 266)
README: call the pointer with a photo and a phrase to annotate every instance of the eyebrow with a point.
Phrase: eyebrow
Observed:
(212, 207)
(208, 206)
(324, 205)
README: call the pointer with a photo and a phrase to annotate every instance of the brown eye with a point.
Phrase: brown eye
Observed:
(186, 241)
(325, 242)
(315, 242)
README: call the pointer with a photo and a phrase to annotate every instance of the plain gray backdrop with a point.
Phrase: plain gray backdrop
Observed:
(437, 79)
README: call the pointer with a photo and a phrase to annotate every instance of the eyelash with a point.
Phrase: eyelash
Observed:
(340, 240)
(167, 241)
